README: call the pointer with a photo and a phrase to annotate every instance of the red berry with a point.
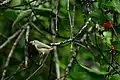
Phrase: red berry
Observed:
(108, 25)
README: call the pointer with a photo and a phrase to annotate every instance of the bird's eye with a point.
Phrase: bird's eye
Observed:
(34, 42)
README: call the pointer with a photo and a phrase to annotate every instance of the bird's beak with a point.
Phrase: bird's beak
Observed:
(31, 42)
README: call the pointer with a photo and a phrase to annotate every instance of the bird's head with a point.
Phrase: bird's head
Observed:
(34, 42)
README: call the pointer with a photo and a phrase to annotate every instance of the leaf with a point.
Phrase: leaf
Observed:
(15, 2)
(10, 14)
(107, 4)
(79, 73)
(98, 17)
(107, 35)
(117, 28)
(117, 45)
(118, 23)
(36, 77)
(45, 12)
(116, 5)
(93, 71)
(115, 77)
(21, 16)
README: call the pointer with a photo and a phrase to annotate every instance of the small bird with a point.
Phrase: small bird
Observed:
(41, 47)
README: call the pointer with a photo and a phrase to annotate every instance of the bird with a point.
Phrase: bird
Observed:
(41, 47)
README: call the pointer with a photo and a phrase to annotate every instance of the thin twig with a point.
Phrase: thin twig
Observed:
(26, 48)
(80, 44)
(9, 39)
(71, 62)
(74, 54)
(118, 72)
(57, 62)
(4, 2)
(3, 36)
(54, 28)
(42, 63)
(18, 68)
(32, 24)
(42, 26)
(40, 3)
(115, 32)
(54, 38)
(17, 7)
(74, 37)
(10, 54)
(70, 24)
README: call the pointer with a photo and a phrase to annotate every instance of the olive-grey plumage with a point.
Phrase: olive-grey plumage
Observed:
(41, 47)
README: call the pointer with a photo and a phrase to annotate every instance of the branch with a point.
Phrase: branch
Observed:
(10, 54)
(26, 47)
(17, 6)
(17, 70)
(118, 72)
(74, 37)
(71, 62)
(3, 36)
(9, 39)
(42, 63)
(54, 27)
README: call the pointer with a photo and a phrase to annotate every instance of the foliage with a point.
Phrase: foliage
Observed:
(84, 37)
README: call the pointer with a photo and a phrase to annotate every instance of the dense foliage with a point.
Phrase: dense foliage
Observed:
(83, 35)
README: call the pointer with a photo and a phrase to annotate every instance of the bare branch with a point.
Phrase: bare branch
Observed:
(26, 48)
(18, 68)
(9, 39)
(74, 37)
(54, 27)
(42, 63)
(10, 54)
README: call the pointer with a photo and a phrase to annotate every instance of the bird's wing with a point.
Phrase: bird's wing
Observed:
(40, 44)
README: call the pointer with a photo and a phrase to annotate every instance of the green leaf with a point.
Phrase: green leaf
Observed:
(98, 17)
(93, 71)
(10, 14)
(79, 73)
(117, 29)
(107, 4)
(108, 35)
(118, 23)
(21, 16)
(15, 2)
(116, 5)
(117, 45)
(36, 77)
(45, 12)
(115, 77)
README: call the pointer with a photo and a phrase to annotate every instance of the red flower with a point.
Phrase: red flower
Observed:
(108, 25)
